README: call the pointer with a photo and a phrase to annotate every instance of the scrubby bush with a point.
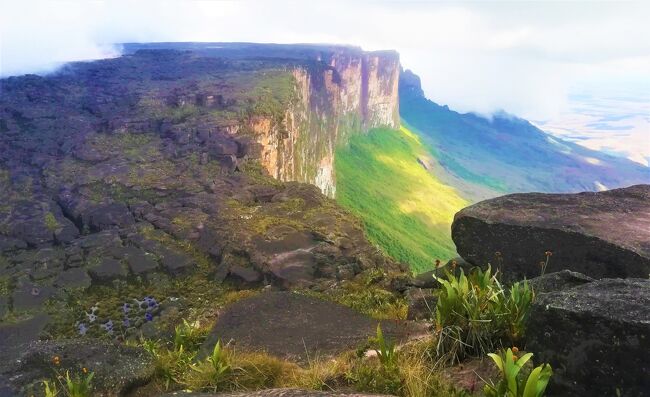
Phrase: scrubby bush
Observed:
(475, 314)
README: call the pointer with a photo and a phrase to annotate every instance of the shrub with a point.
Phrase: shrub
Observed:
(474, 314)
(513, 382)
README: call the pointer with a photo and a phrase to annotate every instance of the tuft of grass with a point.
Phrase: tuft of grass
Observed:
(411, 373)
(407, 211)
(366, 295)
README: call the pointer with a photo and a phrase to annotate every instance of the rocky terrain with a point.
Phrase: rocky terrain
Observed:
(132, 188)
(160, 206)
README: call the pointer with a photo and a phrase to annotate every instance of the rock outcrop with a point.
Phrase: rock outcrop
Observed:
(604, 234)
(596, 336)
(299, 327)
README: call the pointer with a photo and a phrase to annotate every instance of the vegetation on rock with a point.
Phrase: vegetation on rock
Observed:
(475, 314)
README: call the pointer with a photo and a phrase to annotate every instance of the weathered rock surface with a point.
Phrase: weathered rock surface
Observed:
(117, 368)
(604, 234)
(293, 326)
(558, 281)
(596, 336)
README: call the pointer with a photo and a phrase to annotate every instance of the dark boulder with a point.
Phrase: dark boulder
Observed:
(106, 216)
(75, 277)
(596, 336)
(244, 276)
(107, 270)
(174, 262)
(604, 234)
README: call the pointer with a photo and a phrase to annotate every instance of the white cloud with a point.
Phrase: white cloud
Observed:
(523, 57)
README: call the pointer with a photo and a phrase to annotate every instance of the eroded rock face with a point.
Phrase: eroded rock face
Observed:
(604, 234)
(596, 336)
(292, 325)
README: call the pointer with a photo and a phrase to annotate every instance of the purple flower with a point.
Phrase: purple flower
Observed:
(126, 322)
(82, 329)
(148, 316)
(108, 326)
(126, 308)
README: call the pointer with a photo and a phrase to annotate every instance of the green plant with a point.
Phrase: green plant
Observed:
(215, 372)
(518, 306)
(51, 222)
(512, 383)
(170, 364)
(219, 360)
(50, 389)
(190, 336)
(475, 314)
(386, 352)
(80, 385)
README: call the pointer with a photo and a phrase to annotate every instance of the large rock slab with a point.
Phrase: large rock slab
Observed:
(292, 326)
(596, 336)
(604, 234)
(117, 368)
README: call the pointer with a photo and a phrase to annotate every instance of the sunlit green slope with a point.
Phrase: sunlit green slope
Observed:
(384, 178)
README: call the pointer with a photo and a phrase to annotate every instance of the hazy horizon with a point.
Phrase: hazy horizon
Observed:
(580, 70)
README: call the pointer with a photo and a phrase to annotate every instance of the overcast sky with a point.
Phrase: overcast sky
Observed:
(522, 57)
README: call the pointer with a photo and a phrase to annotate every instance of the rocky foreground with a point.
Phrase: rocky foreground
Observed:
(594, 333)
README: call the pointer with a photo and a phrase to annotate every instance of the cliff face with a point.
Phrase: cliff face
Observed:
(335, 91)
(346, 93)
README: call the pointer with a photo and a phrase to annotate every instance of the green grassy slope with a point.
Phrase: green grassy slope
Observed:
(407, 211)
